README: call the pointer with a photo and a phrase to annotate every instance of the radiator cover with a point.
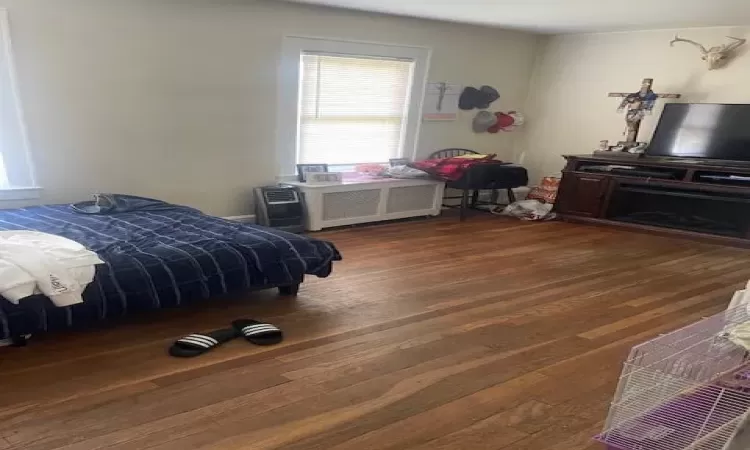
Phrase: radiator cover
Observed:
(363, 201)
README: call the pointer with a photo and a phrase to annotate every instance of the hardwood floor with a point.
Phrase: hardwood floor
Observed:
(488, 334)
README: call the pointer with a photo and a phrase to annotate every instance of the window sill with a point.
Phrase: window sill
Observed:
(346, 169)
(286, 178)
(25, 193)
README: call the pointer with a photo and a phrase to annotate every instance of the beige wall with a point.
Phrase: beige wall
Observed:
(176, 99)
(568, 105)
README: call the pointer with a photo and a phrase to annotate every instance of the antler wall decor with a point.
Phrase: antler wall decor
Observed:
(715, 57)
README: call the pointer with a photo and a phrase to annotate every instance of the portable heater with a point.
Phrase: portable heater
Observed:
(280, 207)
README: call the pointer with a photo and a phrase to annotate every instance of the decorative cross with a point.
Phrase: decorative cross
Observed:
(638, 105)
(442, 88)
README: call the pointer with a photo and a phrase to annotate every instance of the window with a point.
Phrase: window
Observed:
(352, 109)
(353, 102)
(16, 178)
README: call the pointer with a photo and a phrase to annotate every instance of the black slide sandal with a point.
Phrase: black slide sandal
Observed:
(200, 343)
(258, 333)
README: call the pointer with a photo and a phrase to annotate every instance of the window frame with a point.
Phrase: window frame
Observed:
(289, 89)
(28, 189)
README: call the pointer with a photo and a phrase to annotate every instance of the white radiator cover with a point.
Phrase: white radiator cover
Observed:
(363, 201)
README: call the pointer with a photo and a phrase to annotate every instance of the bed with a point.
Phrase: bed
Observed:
(159, 255)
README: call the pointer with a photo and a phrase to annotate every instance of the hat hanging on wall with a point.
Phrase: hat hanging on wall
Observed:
(483, 121)
(481, 98)
(490, 95)
(495, 122)
(506, 122)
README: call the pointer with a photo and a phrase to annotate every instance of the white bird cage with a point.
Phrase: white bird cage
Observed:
(686, 390)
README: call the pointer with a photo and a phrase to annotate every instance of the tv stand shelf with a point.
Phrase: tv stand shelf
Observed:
(696, 199)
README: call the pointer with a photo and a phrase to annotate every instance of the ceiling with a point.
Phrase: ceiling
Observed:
(565, 16)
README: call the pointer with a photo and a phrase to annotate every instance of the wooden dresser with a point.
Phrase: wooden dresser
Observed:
(692, 198)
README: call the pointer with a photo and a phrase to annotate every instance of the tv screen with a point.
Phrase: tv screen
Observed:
(703, 131)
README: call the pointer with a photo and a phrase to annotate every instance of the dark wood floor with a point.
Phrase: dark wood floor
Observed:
(490, 334)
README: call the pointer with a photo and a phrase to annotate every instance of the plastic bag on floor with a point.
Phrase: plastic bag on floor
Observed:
(529, 210)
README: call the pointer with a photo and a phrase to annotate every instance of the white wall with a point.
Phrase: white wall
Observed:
(176, 99)
(568, 105)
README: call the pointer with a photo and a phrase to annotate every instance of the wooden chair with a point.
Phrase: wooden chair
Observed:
(481, 179)
(451, 152)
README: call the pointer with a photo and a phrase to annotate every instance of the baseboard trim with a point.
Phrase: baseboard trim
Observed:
(249, 218)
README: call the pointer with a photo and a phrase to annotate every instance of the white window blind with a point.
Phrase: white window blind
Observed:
(15, 166)
(352, 109)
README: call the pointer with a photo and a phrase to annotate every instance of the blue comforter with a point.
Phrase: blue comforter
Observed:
(159, 255)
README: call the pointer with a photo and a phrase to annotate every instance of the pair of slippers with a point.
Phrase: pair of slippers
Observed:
(258, 333)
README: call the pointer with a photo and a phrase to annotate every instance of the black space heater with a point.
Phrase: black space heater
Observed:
(280, 207)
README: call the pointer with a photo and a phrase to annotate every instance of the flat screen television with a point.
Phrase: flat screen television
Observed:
(703, 130)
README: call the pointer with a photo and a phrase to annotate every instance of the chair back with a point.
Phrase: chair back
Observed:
(451, 152)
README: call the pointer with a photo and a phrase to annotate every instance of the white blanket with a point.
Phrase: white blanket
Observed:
(741, 298)
(738, 310)
(32, 263)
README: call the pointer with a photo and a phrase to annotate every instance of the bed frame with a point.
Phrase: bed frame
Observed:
(289, 290)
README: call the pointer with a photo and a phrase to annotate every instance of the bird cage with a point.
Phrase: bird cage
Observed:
(686, 390)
